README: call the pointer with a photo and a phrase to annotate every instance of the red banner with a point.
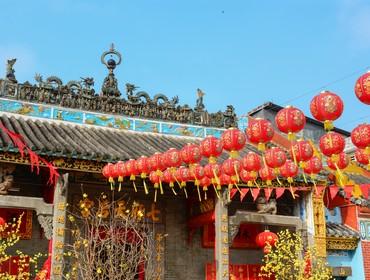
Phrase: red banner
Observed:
(237, 272)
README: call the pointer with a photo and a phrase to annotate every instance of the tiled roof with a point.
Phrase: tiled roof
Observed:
(339, 230)
(58, 138)
(79, 141)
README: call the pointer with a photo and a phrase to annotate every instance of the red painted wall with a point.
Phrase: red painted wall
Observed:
(350, 216)
(366, 253)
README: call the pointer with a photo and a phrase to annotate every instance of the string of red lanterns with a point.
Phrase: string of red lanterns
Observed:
(182, 166)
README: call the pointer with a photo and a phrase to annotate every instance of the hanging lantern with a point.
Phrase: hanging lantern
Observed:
(326, 107)
(211, 148)
(109, 173)
(183, 175)
(156, 163)
(190, 153)
(212, 171)
(290, 120)
(156, 179)
(225, 179)
(197, 174)
(275, 158)
(259, 132)
(143, 168)
(172, 158)
(233, 140)
(362, 157)
(301, 152)
(331, 144)
(267, 174)
(266, 238)
(231, 167)
(169, 178)
(251, 162)
(204, 183)
(313, 166)
(121, 171)
(360, 137)
(289, 170)
(248, 177)
(340, 163)
(362, 88)
(132, 171)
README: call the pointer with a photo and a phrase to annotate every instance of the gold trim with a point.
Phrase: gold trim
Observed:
(59, 162)
(340, 243)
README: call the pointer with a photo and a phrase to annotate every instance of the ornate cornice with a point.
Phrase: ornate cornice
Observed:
(59, 162)
(341, 243)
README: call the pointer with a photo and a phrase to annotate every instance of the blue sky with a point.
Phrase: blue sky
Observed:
(240, 52)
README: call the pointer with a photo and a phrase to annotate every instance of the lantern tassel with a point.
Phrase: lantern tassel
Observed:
(160, 186)
(236, 173)
(119, 186)
(199, 196)
(145, 187)
(205, 194)
(294, 156)
(185, 192)
(155, 196)
(314, 184)
(217, 194)
(328, 125)
(237, 187)
(304, 177)
(216, 177)
(291, 136)
(261, 146)
(292, 191)
(340, 174)
(234, 154)
(134, 184)
(277, 178)
(255, 182)
(173, 190)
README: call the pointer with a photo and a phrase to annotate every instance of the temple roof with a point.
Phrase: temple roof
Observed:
(58, 138)
(340, 231)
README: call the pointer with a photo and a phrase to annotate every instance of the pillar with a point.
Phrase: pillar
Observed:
(59, 223)
(222, 239)
(320, 224)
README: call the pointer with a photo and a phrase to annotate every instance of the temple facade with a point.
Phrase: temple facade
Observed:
(78, 131)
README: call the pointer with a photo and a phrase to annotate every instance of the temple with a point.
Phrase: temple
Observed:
(76, 131)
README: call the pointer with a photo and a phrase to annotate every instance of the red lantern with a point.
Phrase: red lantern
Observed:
(266, 238)
(267, 174)
(313, 166)
(360, 137)
(120, 171)
(233, 140)
(251, 162)
(211, 147)
(331, 143)
(340, 163)
(362, 157)
(204, 183)
(275, 158)
(197, 173)
(143, 168)
(248, 177)
(302, 151)
(156, 179)
(213, 172)
(131, 169)
(168, 177)
(172, 158)
(289, 170)
(109, 173)
(190, 153)
(326, 107)
(290, 120)
(259, 132)
(362, 88)
(231, 166)
(156, 162)
(225, 180)
(183, 175)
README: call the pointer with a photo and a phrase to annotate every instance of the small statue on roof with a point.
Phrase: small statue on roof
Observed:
(130, 88)
(88, 82)
(10, 70)
(200, 106)
(230, 119)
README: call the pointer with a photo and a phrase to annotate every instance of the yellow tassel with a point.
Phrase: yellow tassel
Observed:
(236, 173)
(258, 186)
(132, 177)
(173, 190)
(145, 187)
(304, 178)
(268, 183)
(234, 154)
(217, 194)
(314, 184)
(328, 125)
(237, 187)
(292, 191)
(199, 196)
(134, 186)
(111, 186)
(290, 180)
(186, 193)
(119, 187)
(212, 160)
(205, 194)
(155, 196)
(143, 175)
(277, 178)
(216, 177)
(261, 147)
(249, 184)
(294, 156)
(291, 136)
(160, 186)
(339, 174)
